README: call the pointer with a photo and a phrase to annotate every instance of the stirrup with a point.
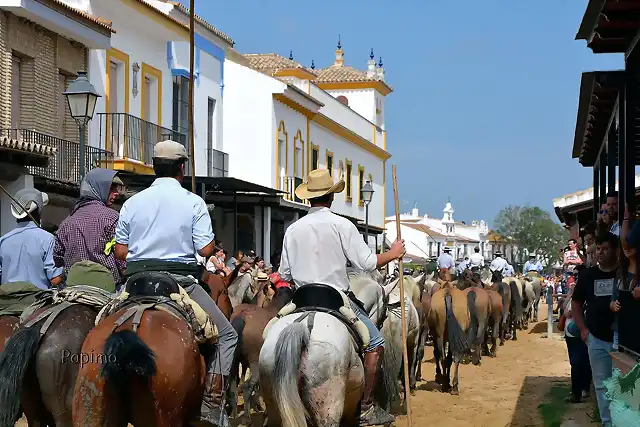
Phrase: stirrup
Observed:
(375, 415)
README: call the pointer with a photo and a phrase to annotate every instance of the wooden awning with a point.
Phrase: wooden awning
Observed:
(610, 26)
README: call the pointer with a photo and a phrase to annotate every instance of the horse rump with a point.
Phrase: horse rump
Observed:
(457, 338)
(126, 356)
(293, 340)
(14, 363)
(516, 298)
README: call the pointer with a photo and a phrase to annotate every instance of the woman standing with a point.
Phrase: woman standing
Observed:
(578, 356)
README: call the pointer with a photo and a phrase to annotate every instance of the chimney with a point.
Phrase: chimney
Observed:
(414, 212)
(371, 68)
(380, 70)
(339, 62)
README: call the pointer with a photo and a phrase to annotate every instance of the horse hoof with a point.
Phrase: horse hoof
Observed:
(501, 342)
(412, 392)
(455, 392)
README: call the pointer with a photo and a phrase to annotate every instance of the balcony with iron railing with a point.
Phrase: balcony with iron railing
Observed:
(132, 138)
(288, 184)
(65, 165)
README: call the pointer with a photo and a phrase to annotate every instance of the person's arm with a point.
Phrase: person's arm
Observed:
(284, 270)
(54, 274)
(578, 299)
(58, 250)
(203, 238)
(121, 249)
(110, 235)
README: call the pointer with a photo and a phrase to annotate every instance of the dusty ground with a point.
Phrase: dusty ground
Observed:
(501, 392)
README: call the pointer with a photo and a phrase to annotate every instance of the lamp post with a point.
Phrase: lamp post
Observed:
(82, 97)
(367, 195)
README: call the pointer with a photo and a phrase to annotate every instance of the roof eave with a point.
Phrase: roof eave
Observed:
(590, 19)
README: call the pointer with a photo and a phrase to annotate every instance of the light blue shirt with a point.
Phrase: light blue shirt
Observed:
(445, 260)
(499, 264)
(508, 270)
(164, 222)
(26, 255)
(463, 266)
(532, 266)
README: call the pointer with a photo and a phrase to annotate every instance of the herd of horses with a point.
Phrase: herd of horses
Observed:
(308, 369)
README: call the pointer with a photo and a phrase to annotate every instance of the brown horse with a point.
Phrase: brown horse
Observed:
(218, 291)
(249, 322)
(449, 321)
(494, 322)
(425, 302)
(505, 294)
(479, 310)
(151, 377)
(38, 370)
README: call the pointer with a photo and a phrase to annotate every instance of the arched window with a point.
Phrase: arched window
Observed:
(343, 99)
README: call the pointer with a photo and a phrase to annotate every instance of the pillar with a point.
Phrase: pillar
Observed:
(266, 233)
(257, 231)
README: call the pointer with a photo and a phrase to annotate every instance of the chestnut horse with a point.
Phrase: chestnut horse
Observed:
(218, 291)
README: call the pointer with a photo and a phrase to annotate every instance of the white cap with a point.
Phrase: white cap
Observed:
(169, 150)
(29, 199)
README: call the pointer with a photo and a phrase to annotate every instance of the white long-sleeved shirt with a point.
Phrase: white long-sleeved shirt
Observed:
(445, 260)
(476, 260)
(317, 247)
(498, 264)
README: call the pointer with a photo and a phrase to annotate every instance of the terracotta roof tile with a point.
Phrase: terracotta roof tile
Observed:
(423, 228)
(269, 63)
(345, 74)
(94, 19)
(40, 149)
(204, 23)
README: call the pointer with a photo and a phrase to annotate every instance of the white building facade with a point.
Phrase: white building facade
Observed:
(283, 120)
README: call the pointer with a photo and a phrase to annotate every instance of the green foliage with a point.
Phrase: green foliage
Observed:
(533, 229)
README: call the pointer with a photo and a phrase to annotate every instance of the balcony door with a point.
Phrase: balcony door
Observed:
(114, 118)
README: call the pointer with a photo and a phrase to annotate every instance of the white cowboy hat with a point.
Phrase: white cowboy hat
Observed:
(319, 183)
(28, 200)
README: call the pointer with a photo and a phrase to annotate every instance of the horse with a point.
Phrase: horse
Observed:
(41, 360)
(504, 290)
(8, 325)
(424, 331)
(537, 290)
(218, 292)
(496, 309)
(515, 307)
(528, 299)
(249, 321)
(150, 351)
(449, 320)
(479, 311)
(310, 368)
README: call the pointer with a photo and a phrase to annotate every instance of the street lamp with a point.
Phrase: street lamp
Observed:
(82, 97)
(367, 195)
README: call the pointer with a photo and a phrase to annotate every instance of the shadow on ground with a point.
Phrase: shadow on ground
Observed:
(541, 402)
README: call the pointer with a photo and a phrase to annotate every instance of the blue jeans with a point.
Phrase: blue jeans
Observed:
(580, 368)
(376, 339)
(602, 369)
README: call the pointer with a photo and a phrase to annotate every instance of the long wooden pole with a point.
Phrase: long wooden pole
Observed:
(403, 315)
(192, 139)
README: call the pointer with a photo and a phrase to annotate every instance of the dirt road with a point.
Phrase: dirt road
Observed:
(503, 391)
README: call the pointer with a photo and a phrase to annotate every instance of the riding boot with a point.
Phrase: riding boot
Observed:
(370, 413)
(212, 412)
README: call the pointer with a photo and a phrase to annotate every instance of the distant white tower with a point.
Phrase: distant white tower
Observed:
(448, 224)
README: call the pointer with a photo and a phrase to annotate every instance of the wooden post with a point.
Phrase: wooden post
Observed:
(403, 315)
(192, 139)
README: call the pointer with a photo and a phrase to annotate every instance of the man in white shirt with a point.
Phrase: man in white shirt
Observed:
(445, 260)
(498, 263)
(316, 250)
(476, 260)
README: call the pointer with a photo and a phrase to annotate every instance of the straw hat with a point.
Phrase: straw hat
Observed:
(319, 183)
(262, 276)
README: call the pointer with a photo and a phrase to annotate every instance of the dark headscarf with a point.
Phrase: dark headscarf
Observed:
(95, 186)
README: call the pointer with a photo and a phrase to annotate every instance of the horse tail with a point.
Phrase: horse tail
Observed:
(293, 340)
(238, 324)
(126, 356)
(517, 299)
(14, 362)
(503, 294)
(473, 313)
(457, 339)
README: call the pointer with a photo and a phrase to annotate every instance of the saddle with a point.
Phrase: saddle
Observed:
(157, 290)
(313, 298)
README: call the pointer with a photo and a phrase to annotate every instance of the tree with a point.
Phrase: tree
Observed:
(533, 229)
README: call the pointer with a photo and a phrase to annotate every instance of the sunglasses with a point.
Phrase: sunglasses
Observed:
(604, 212)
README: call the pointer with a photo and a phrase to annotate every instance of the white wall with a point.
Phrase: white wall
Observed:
(362, 101)
(207, 86)
(249, 123)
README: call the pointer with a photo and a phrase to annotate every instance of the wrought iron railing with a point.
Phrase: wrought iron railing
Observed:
(217, 163)
(289, 185)
(65, 165)
(133, 138)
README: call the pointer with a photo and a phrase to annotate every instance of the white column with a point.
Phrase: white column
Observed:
(266, 234)
(7, 221)
(257, 229)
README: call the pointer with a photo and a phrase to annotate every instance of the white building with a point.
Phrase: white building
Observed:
(283, 119)
(426, 237)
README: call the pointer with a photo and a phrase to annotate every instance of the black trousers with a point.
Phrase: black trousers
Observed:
(580, 366)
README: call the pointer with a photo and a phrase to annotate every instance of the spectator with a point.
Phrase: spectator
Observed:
(612, 207)
(594, 290)
(233, 261)
(259, 263)
(216, 261)
(572, 257)
(605, 221)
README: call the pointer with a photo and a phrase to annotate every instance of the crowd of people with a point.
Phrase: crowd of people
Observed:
(596, 271)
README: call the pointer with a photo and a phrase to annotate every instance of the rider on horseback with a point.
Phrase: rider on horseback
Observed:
(316, 250)
(26, 252)
(533, 267)
(160, 229)
(445, 261)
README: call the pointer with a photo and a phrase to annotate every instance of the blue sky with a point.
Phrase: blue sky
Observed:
(485, 92)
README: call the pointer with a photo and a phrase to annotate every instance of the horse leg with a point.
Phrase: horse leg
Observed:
(454, 388)
(247, 390)
(438, 355)
(494, 336)
(446, 387)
